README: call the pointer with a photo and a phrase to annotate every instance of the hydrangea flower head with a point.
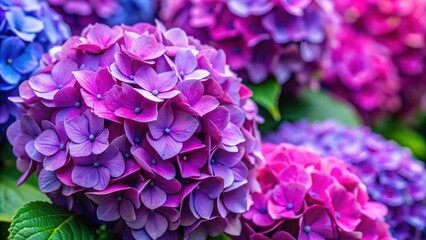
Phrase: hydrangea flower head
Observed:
(27, 30)
(261, 38)
(390, 173)
(126, 125)
(79, 13)
(361, 71)
(305, 196)
(400, 27)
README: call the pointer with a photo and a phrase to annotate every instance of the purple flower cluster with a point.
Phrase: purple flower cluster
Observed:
(79, 13)
(145, 127)
(260, 37)
(400, 26)
(306, 197)
(27, 30)
(361, 71)
(392, 176)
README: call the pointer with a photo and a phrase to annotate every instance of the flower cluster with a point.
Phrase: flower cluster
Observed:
(138, 123)
(305, 196)
(400, 26)
(27, 30)
(361, 71)
(260, 37)
(79, 13)
(392, 176)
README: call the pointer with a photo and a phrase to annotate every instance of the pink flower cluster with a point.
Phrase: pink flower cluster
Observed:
(400, 26)
(260, 37)
(305, 196)
(137, 123)
(361, 71)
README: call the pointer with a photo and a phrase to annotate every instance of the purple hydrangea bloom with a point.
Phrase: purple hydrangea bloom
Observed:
(27, 30)
(392, 175)
(247, 30)
(113, 129)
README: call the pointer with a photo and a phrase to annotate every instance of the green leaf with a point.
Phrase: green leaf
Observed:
(220, 237)
(13, 197)
(319, 106)
(42, 220)
(267, 95)
(404, 136)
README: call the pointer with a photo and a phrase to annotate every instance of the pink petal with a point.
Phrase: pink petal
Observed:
(156, 226)
(153, 197)
(183, 127)
(104, 177)
(101, 142)
(108, 211)
(205, 105)
(197, 75)
(81, 149)
(165, 146)
(86, 177)
(127, 211)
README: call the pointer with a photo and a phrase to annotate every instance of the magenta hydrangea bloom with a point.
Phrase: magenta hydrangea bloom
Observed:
(257, 35)
(144, 128)
(304, 196)
(391, 174)
(400, 27)
(361, 71)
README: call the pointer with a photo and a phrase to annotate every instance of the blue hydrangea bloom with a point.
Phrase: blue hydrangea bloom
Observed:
(28, 28)
(132, 12)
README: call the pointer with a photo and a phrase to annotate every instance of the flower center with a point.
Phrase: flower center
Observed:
(138, 110)
(307, 229)
(230, 26)
(181, 73)
(236, 49)
(137, 140)
(96, 164)
(197, 188)
(185, 158)
(154, 161)
(119, 198)
(9, 61)
(132, 77)
(77, 104)
(289, 206)
(91, 137)
(212, 161)
(155, 92)
(262, 210)
(99, 96)
(338, 215)
(254, 29)
(152, 183)
(314, 194)
(60, 86)
(62, 146)
(126, 155)
(167, 131)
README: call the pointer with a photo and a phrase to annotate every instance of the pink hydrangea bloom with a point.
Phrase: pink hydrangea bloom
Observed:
(361, 71)
(136, 123)
(305, 196)
(400, 27)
